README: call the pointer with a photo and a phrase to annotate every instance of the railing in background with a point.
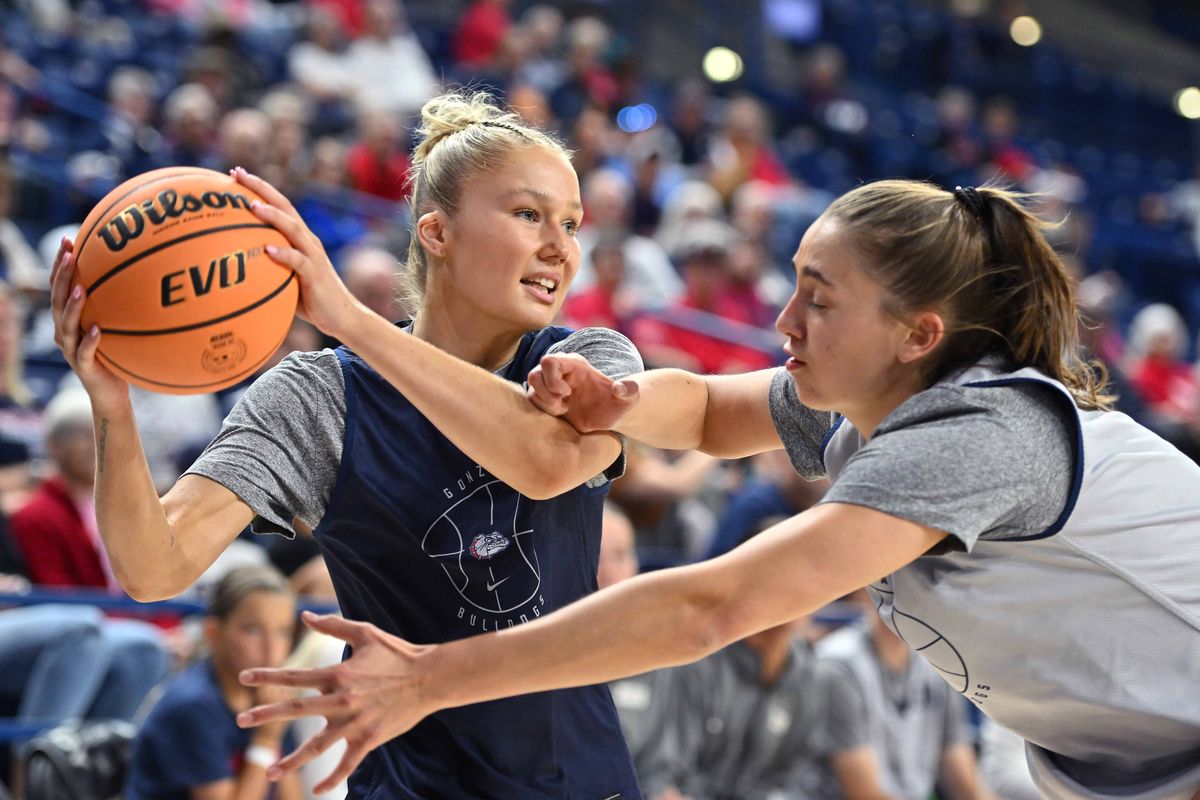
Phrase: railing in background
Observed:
(13, 730)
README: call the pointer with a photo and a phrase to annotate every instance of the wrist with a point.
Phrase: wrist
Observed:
(268, 738)
(261, 755)
(356, 326)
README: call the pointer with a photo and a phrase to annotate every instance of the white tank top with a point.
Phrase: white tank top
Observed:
(1084, 638)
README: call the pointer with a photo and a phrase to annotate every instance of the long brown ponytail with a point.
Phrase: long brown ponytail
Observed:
(979, 258)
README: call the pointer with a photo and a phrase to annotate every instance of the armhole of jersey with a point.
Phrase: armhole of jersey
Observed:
(347, 435)
(1076, 460)
(837, 423)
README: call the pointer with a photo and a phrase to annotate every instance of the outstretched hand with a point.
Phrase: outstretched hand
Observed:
(566, 385)
(324, 299)
(372, 697)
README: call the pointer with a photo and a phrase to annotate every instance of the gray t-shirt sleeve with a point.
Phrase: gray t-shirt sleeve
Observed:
(980, 462)
(801, 429)
(612, 354)
(843, 722)
(280, 447)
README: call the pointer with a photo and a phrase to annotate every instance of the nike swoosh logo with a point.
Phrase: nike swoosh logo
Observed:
(491, 587)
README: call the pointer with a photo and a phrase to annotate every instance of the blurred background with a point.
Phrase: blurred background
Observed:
(707, 135)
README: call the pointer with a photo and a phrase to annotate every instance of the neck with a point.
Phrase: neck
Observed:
(237, 696)
(79, 488)
(773, 655)
(893, 652)
(867, 416)
(472, 339)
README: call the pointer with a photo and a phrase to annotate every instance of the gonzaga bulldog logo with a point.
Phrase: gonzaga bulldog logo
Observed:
(483, 544)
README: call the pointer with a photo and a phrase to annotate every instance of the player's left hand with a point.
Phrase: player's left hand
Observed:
(324, 299)
(373, 696)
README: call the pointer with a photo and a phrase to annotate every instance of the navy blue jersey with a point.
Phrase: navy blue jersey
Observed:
(423, 542)
(190, 739)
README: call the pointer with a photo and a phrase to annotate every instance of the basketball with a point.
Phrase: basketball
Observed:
(178, 280)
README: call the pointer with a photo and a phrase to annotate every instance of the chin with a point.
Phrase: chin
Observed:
(810, 397)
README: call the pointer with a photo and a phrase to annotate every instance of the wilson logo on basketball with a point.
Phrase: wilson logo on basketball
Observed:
(222, 273)
(168, 204)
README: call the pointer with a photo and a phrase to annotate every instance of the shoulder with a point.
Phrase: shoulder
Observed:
(607, 350)
(299, 379)
(1007, 419)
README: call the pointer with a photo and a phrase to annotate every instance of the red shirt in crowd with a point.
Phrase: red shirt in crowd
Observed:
(53, 537)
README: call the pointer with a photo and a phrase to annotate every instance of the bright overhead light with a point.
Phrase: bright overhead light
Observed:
(1025, 31)
(722, 65)
(1187, 102)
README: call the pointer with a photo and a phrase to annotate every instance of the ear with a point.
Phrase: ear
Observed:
(925, 333)
(432, 233)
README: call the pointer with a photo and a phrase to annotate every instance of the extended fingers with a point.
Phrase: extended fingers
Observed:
(336, 625)
(320, 679)
(64, 246)
(355, 753)
(317, 744)
(264, 190)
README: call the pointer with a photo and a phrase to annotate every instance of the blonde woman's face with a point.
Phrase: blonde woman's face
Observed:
(511, 251)
(843, 345)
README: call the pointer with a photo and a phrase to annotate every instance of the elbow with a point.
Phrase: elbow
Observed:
(145, 586)
(708, 626)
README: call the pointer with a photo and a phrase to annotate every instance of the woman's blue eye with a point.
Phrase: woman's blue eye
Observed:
(528, 213)
(572, 227)
(811, 304)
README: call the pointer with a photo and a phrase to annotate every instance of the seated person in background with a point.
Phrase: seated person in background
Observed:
(775, 490)
(738, 723)
(890, 727)
(637, 698)
(190, 747)
(56, 528)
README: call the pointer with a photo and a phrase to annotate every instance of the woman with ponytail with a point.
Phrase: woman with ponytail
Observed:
(1038, 549)
(445, 505)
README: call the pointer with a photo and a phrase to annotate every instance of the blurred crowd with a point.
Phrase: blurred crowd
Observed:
(695, 194)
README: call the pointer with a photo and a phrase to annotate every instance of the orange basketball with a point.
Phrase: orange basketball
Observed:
(178, 279)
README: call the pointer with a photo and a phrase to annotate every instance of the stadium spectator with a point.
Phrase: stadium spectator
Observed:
(56, 528)
(189, 746)
(889, 725)
(1163, 378)
(774, 490)
(743, 150)
(700, 332)
(607, 196)
(480, 32)
(190, 116)
(20, 416)
(377, 163)
(372, 275)
(610, 299)
(387, 66)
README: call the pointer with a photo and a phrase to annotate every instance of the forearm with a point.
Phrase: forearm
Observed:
(670, 409)
(678, 615)
(158, 547)
(456, 396)
(133, 526)
(656, 620)
(961, 775)
(727, 416)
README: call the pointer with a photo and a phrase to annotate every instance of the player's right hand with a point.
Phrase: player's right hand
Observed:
(78, 346)
(566, 385)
